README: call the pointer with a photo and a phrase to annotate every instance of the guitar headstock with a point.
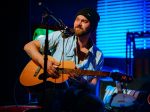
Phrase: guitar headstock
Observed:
(118, 76)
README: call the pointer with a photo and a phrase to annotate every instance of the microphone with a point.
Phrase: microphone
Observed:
(67, 32)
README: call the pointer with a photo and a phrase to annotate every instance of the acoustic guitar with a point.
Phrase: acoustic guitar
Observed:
(31, 73)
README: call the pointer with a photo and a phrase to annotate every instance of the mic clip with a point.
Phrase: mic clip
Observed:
(67, 32)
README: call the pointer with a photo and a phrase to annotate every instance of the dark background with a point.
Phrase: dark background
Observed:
(18, 21)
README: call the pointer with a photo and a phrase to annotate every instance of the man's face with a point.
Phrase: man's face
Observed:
(82, 25)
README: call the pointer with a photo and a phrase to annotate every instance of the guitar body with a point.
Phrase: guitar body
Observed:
(31, 72)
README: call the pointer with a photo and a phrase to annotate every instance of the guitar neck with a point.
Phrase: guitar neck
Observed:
(84, 72)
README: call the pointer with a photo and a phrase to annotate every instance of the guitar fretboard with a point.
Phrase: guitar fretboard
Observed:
(83, 72)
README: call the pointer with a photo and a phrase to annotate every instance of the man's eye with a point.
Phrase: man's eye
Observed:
(85, 21)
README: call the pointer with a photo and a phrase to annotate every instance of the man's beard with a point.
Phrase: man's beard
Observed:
(81, 32)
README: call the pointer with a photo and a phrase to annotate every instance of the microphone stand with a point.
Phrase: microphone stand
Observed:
(45, 75)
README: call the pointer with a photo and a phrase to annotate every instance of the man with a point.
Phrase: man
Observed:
(78, 48)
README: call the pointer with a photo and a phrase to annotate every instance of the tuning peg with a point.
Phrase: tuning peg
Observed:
(118, 76)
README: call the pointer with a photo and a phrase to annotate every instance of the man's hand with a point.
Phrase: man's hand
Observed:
(52, 65)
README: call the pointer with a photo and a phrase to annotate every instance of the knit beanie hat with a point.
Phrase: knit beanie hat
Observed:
(91, 14)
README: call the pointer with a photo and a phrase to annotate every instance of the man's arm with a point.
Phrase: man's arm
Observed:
(32, 49)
